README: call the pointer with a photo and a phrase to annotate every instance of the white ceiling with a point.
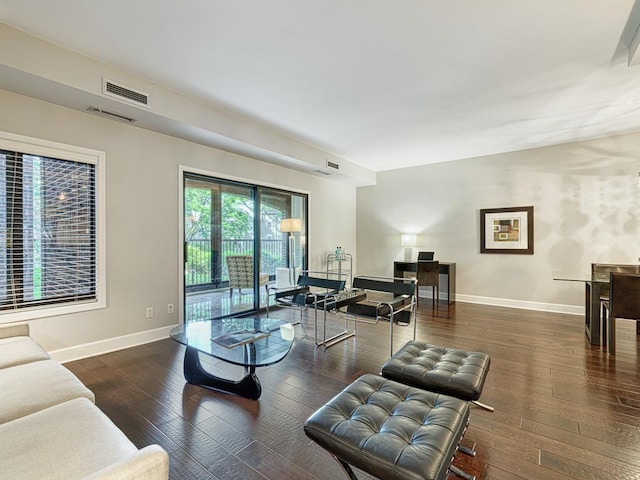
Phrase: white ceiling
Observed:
(383, 83)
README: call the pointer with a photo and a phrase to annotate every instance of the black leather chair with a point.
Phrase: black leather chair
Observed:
(388, 299)
(306, 293)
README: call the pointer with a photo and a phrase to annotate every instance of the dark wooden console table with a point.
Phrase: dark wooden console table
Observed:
(445, 268)
(596, 284)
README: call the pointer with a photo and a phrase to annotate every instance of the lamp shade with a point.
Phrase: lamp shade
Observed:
(408, 240)
(288, 225)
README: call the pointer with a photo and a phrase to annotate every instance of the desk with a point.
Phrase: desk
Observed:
(445, 268)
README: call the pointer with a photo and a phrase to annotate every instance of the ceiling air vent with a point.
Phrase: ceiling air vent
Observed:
(124, 93)
(111, 115)
(333, 165)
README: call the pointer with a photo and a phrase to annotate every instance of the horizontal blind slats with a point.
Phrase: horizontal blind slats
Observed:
(48, 244)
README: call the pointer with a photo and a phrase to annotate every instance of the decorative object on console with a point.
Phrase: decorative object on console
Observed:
(408, 241)
(290, 226)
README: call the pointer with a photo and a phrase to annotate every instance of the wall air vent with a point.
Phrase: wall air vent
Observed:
(124, 93)
(110, 115)
(334, 165)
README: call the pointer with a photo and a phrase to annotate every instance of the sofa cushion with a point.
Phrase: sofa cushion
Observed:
(31, 387)
(68, 441)
(14, 330)
(20, 350)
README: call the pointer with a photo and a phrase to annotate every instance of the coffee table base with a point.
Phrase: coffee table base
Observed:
(248, 387)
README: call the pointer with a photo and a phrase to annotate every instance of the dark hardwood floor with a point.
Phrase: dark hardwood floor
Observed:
(563, 409)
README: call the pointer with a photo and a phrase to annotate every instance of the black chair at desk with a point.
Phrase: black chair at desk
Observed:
(428, 275)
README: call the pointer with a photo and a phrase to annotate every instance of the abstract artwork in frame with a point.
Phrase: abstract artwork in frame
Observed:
(506, 230)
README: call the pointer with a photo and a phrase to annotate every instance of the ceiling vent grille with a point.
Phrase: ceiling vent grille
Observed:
(334, 165)
(124, 93)
(112, 115)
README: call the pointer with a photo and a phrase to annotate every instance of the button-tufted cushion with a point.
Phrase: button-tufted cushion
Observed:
(439, 369)
(391, 430)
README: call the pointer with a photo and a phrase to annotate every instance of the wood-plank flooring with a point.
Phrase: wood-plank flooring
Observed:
(563, 409)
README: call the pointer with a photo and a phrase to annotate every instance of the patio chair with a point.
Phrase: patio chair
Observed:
(241, 276)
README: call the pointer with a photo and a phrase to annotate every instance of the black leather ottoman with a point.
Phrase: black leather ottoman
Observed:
(438, 369)
(391, 430)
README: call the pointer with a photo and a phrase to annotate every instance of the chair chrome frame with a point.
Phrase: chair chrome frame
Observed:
(301, 296)
(405, 288)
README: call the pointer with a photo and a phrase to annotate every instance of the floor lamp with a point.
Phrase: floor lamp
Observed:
(291, 225)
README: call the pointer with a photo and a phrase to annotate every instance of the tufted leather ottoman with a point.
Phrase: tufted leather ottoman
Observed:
(391, 430)
(445, 370)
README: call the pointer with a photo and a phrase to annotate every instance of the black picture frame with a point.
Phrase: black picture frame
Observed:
(507, 230)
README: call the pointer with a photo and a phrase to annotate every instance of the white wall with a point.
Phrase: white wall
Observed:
(586, 208)
(142, 218)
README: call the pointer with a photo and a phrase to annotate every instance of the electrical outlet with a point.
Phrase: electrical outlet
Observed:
(149, 312)
(170, 308)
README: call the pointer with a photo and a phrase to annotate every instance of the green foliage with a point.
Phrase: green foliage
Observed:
(236, 219)
(197, 213)
(237, 216)
(237, 231)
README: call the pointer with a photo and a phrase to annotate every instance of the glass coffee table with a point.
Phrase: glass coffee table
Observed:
(249, 342)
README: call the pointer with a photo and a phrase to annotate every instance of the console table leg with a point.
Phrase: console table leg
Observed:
(248, 387)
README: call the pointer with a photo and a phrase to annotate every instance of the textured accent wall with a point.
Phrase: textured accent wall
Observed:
(587, 209)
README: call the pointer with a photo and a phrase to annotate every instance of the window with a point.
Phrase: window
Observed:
(51, 228)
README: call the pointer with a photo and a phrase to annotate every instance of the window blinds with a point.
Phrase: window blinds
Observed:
(48, 244)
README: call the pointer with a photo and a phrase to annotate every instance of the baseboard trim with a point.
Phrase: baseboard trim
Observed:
(108, 345)
(522, 304)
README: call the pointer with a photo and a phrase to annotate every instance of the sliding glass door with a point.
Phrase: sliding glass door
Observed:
(239, 239)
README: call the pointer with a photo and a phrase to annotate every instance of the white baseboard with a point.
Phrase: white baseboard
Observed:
(505, 302)
(78, 352)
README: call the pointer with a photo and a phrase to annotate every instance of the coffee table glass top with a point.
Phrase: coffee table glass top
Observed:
(249, 342)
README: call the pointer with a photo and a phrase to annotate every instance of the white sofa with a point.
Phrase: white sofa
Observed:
(50, 427)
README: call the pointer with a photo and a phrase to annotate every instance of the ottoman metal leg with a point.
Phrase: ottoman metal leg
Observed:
(483, 405)
(346, 467)
(461, 473)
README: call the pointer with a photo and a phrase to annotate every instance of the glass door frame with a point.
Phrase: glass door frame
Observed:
(258, 193)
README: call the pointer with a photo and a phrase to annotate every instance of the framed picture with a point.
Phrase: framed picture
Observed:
(506, 230)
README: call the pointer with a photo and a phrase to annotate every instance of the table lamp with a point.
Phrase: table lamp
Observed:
(291, 225)
(408, 241)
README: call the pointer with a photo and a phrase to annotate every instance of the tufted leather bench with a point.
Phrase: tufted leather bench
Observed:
(450, 371)
(390, 430)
